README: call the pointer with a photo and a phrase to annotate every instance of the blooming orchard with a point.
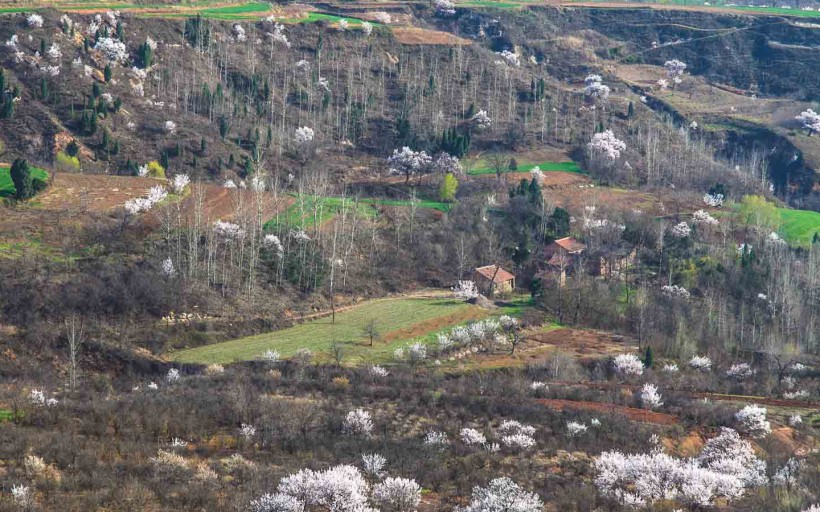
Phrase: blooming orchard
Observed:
(725, 468)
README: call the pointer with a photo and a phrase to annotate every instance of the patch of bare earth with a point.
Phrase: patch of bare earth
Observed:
(423, 36)
(583, 343)
(220, 203)
(553, 180)
(436, 324)
(539, 345)
(641, 415)
(92, 192)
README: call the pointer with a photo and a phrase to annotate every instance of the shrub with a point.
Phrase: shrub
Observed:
(170, 466)
(341, 382)
(155, 170)
(66, 162)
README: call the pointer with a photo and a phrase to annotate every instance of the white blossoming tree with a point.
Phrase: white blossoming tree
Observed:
(628, 364)
(594, 89)
(358, 423)
(607, 144)
(809, 121)
(409, 163)
(112, 50)
(650, 398)
(502, 495)
(396, 494)
(752, 420)
(481, 120)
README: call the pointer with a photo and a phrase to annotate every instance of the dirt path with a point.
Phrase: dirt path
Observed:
(642, 415)
(762, 400)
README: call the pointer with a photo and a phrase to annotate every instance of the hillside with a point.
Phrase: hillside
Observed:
(480, 256)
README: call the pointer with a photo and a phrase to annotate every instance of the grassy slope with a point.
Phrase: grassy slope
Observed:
(7, 187)
(483, 168)
(799, 226)
(391, 315)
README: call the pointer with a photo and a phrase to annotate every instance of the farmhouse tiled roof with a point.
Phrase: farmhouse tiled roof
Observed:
(570, 244)
(489, 271)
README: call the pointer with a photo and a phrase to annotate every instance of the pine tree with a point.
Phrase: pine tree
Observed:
(223, 127)
(22, 179)
(534, 192)
(72, 149)
(107, 73)
(145, 54)
(648, 358)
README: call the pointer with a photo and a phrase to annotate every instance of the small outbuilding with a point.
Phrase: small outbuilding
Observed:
(493, 280)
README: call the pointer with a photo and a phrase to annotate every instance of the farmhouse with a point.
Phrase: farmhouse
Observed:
(563, 250)
(561, 257)
(493, 280)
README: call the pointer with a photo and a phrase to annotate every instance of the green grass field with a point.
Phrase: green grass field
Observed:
(7, 186)
(483, 168)
(799, 226)
(313, 211)
(313, 17)
(394, 318)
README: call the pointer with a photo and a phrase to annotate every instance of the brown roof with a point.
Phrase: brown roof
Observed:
(502, 276)
(570, 244)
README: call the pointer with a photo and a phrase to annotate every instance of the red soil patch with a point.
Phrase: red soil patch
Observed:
(583, 343)
(644, 416)
(580, 343)
(616, 199)
(220, 203)
(436, 324)
(423, 36)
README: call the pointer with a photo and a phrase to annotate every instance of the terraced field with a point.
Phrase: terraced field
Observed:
(397, 319)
